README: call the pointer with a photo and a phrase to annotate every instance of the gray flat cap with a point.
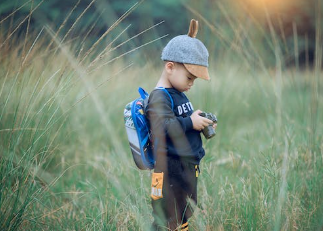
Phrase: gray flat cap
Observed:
(184, 49)
(190, 51)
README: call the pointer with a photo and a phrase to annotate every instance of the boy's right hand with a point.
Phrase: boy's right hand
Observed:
(198, 121)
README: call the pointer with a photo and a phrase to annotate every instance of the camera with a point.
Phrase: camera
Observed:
(209, 131)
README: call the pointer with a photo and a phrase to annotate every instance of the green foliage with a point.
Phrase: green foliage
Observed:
(225, 25)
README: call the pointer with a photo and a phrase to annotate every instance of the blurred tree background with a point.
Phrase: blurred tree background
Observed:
(225, 25)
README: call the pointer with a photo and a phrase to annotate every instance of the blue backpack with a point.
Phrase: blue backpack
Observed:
(138, 131)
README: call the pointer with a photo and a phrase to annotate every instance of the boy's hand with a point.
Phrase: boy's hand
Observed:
(214, 125)
(198, 121)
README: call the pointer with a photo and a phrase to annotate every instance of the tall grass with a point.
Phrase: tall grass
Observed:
(43, 144)
(65, 163)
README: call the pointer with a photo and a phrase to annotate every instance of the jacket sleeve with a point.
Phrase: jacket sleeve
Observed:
(162, 117)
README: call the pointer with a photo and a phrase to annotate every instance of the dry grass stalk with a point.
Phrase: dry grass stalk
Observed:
(91, 28)
(76, 21)
(101, 84)
(136, 36)
(62, 25)
(32, 46)
(22, 22)
(27, 31)
(104, 53)
(128, 52)
(13, 12)
(214, 30)
(4, 83)
(87, 34)
(109, 30)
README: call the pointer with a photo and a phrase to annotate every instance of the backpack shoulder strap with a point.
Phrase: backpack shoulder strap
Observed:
(171, 99)
(143, 93)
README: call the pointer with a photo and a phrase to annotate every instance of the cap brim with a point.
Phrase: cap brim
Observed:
(198, 71)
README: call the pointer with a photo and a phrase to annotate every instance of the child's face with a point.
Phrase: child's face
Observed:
(180, 78)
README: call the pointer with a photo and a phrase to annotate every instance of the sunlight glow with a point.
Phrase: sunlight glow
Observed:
(269, 5)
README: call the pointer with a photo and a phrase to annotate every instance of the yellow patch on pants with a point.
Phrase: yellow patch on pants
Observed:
(157, 185)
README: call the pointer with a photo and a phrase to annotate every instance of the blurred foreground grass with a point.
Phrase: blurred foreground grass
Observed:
(65, 163)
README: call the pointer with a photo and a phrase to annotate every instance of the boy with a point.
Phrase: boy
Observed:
(176, 128)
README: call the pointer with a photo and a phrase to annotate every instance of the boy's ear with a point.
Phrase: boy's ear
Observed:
(169, 66)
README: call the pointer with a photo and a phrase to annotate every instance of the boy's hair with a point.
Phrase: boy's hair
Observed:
(190, 51)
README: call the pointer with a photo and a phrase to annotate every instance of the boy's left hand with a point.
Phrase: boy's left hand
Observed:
(199, 122)
(214, 125)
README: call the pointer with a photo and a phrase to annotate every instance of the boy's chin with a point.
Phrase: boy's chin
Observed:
(183, 89)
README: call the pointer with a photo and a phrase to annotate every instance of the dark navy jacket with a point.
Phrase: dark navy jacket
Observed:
(172, 129)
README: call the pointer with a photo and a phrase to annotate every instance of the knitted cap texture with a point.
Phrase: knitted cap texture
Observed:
(187, 50)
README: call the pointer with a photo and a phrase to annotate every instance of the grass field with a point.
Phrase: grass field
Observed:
(65, 162)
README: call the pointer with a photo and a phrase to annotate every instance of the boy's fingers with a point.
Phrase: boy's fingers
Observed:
(208, 121)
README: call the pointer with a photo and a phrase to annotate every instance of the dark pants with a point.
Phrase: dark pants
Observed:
(173, 206)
